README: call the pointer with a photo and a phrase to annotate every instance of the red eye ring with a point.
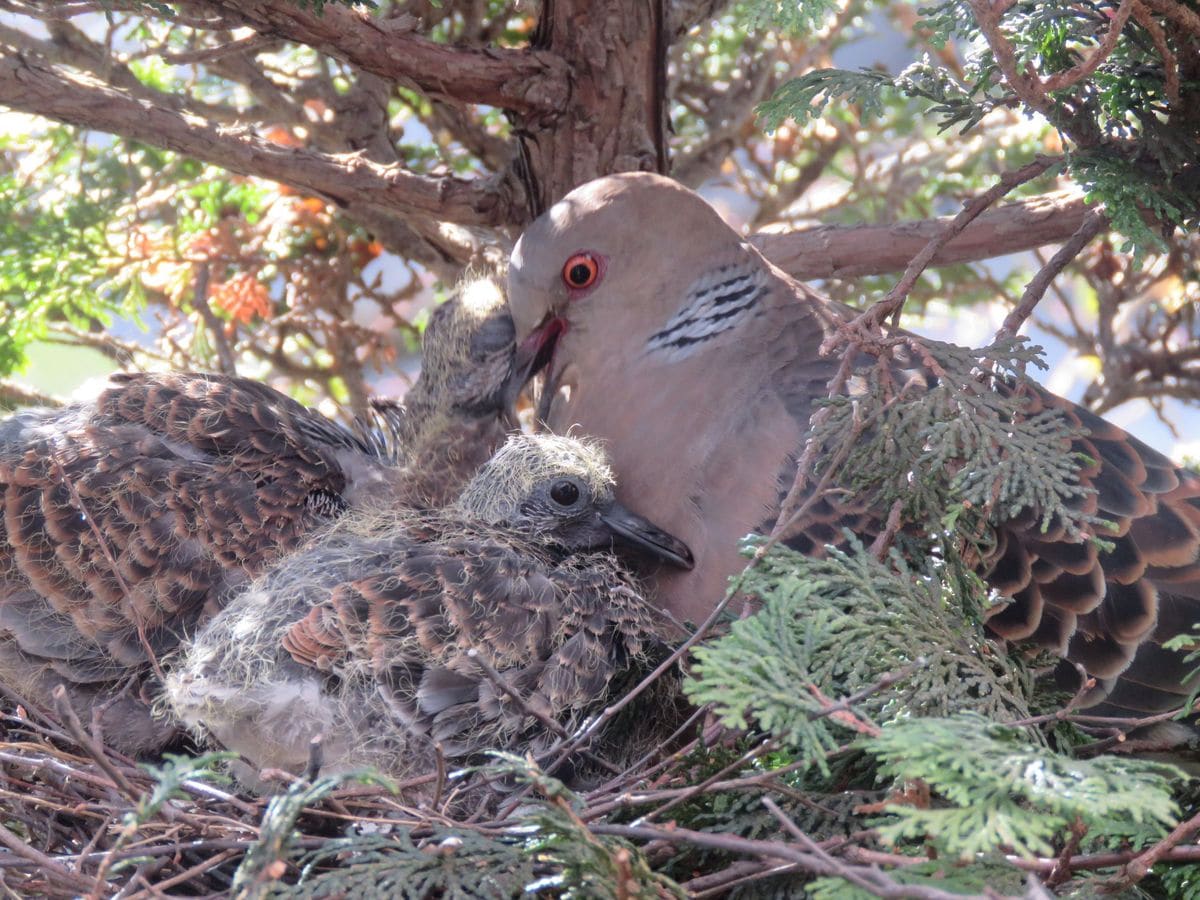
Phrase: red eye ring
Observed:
(580, 271)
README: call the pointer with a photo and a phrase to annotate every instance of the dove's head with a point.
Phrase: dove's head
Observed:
(559, 490)
(633, 263)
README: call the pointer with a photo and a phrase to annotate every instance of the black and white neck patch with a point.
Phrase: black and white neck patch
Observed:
(719, 300)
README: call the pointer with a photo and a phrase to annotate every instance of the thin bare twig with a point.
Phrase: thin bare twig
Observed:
(890, 305)
(1093, 224)
(51, 867)
(1139, 867)
(63, 706)
(200, 299)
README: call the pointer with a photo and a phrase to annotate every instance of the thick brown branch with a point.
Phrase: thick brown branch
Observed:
(70, 46)
(30, 85)
(527, 81)
(841, 251)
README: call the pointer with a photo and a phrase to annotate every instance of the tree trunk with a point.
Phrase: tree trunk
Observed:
(615, 114)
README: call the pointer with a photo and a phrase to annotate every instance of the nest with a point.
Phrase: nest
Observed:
(703, 812)
(81, 819)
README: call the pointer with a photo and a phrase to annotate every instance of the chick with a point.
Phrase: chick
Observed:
(389, 637)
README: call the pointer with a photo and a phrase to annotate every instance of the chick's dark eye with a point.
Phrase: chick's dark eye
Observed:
(564, 493)
(581, 271)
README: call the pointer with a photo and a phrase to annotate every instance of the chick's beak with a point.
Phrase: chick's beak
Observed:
(645, 535)
(526, 360)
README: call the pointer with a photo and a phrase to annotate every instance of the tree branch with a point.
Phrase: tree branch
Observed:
(1093, 223)
(31, 85)
(527, 81)
(841, 251)
(70, 46)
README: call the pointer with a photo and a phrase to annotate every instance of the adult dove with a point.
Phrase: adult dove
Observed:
(128, 520)
(399, 631)
(696, 363)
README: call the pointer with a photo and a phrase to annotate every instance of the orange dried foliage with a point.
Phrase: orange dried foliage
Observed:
(243, 297)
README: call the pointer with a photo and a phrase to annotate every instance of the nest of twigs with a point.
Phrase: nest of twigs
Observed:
(706, 813)
(81, 819)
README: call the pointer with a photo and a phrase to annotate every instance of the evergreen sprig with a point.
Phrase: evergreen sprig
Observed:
(959, 442)
(1131, 136)
(460, 864)
(779, 668)
(1001, 791)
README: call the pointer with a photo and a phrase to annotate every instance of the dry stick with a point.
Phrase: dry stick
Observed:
(1086, 683)
(88, 743)
(185, 876)
(1062, 866)
(200, 300)
(632, 773)
(1025, 85)
(57, 766)
(1139, 867)
(48, 865)
(440, 784)
(749, 756)
(811, 846)
(770, 780)
(1093, 223)
(809, 862)
(737, 873)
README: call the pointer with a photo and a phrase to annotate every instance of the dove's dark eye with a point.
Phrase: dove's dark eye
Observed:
(564, 493)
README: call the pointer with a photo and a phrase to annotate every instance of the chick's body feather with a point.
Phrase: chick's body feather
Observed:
(401, 626)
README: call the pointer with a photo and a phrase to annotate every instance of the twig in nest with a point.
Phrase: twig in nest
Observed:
(1062, 867)
(67, 714)
(1139, 867)
(54, 870)
(749, 756)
